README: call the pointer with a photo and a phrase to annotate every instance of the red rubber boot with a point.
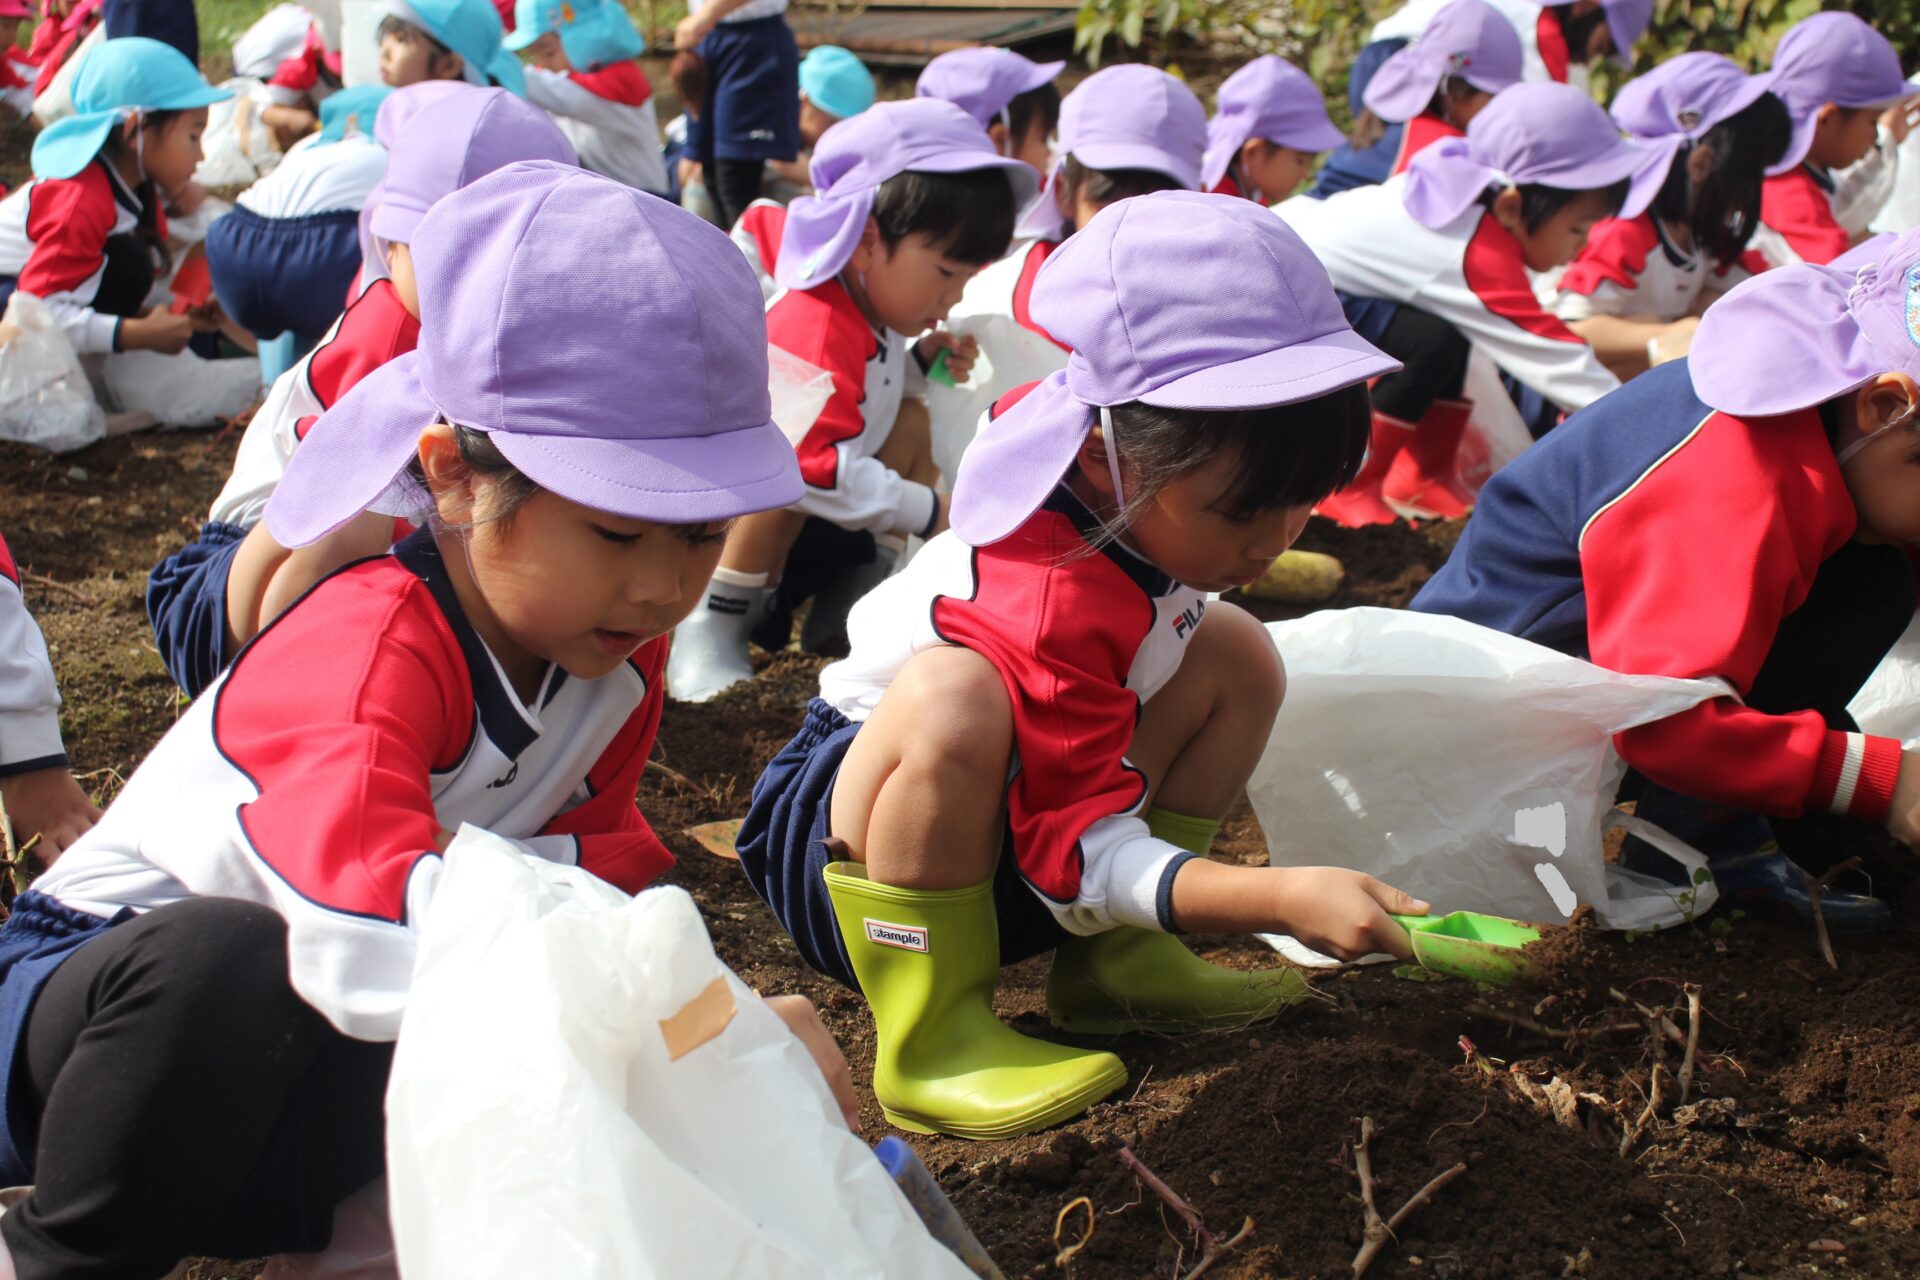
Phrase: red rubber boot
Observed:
(1360, 503)
(1424, 483)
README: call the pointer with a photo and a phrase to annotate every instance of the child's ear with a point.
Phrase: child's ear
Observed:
(997, 132)
(867, 252)
(1092, 461)
(1252, 152)
(448, 478)
(1886, 400)
(449, 66)
(1507, 208)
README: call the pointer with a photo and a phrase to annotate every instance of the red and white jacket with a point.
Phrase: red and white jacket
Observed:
(1799, 221)
(53, 239)
(310, 76)
(608, 116)
(1470, 273)
(29, 700)
(1419, 133)
(1082, 638)
(1631, 267)
(758, 234)
(321, 774)
(872, 374)
(376, 328)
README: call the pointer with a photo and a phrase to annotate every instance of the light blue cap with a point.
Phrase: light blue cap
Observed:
(836, 82)
(594, 33)
(348, 111)
(470, 28)
(117, 78)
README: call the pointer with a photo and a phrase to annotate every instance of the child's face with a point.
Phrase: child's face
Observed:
(1843, 135)
(813, 123)
(1560, 238)
(408, 56)
(549, 54)
(171, 152)
(1464, 102)
(1031, 146)
(1884, 477)
(400, 272)
(912, 285)
(1273, 171)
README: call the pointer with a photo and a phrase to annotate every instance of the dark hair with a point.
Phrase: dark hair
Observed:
(148, 227)
(1539, 202)
(1726, 204)
(1288, 455)
(401, 29)
(482, 457)
(1578, 31)
(967, 216)
(1104, 186)
(1042, 104)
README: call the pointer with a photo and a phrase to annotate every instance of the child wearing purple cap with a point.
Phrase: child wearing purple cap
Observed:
(210, 597)
(1638, 288)
(1045, 716)
(242, 921)
(1434, 87)
(910, 200)
(1843, 87)
(1014, 98)
(1561, 42)
(1740, 515)
(1268, 128)
(1435, 264)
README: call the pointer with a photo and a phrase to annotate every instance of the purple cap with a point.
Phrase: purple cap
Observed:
(1546, 133)
(1837, 58)
(1866, 253)
(641, 392)
(1130, 116)
(1679, 100)
(1273, 99)
(396, 109)
(454, 140)
(1136, 293)
(855, 156)
(981, 82)
(1800, 335)
(1627, 21)
(1467, 40)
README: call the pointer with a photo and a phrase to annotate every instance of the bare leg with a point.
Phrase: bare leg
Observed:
(759, 543)
(909, 448)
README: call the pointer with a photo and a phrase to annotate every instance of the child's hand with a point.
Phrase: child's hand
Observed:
(1343, 913)
(801, 1019)
(1671, 341)
(1903, 818)
(50, 804)
(961, 352)
(1898, 120)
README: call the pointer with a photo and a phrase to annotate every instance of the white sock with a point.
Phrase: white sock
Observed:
(745, 581)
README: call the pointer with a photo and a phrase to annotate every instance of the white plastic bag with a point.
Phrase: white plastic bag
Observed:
(238, 147)
(540, 1124)
(1888, 705)
(1495, 433)
(45, 398)
(1010, 356)
(183, 390)
(1471, 768)
(800, 390)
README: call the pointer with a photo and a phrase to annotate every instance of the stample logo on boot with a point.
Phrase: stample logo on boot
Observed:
(905, 936)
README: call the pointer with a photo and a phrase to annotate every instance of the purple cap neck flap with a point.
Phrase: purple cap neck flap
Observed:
(854, 157)
(1547, 133)
(640, 392)
(981, 82)
(1467, 40)
(1273, 99)
(454, 140)
(1800, 335)
(1136, 294)
(1832, 58)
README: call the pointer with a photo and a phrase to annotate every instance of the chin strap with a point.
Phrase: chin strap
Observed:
(1113, 457)
(1840, 459)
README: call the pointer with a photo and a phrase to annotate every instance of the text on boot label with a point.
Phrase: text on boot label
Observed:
(906, 937)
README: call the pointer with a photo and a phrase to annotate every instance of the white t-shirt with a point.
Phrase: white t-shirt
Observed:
(748, 12)
(316, 176)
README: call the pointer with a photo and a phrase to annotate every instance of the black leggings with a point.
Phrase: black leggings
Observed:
(1435, 355)
(732, 185)
(1860, 602)
(184, 1101)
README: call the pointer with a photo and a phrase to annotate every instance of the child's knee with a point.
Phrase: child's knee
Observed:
(958, 713)
(1235, 646)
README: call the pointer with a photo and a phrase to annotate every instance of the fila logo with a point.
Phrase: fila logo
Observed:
(506, 781)
(1187, 619)
(904, 936)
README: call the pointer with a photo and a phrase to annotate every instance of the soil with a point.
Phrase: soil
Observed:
(1797, 1153)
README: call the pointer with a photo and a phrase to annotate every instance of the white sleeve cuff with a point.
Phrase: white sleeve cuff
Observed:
(30, 736)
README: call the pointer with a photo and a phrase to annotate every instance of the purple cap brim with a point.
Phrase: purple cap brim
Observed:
(1781, 342)
(1138, 155)
(1298, 371)
(1226, 136)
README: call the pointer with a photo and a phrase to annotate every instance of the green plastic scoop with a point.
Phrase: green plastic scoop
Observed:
(1465, 944)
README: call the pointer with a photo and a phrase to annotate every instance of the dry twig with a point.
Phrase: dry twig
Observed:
(1379, 1230)
(42, 580)
(679, 779)
(1816, 885)
(1646, 1117)
(1211, 1248)
(1693, 1040)
(1063, 1254)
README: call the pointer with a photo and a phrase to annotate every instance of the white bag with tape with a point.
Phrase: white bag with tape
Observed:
(1471, 768)
(582, 1089)
(45, 398)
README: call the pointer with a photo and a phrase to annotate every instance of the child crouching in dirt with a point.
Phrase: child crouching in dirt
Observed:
(1044, 718)
(1739, 515)
(241, 923)
(37, 791)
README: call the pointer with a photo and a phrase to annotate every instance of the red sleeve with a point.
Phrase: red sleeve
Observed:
(375, 329)
(300, 72)
(1055, 623)
(616, 844)
(68, 221)
(765, 222)
(1420, 133)
(1794, 205)
(1689, 574)
(823, 327)
(621, 82)
(8, 569)
(1037, 254)
(1226, 187)
(1496, 271)
(1551, 40)
(1616, 250)
(339, 713)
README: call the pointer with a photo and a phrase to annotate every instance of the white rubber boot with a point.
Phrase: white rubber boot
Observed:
(709, 653)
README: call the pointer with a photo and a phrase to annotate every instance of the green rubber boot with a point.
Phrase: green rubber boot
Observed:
(928, 961)
(1129, 979)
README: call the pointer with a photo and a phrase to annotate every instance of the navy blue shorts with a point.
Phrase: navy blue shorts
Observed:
(1368, 316)
(38, 937)
(753, 94)
(187, 606)
(275, 275)
(782, 851)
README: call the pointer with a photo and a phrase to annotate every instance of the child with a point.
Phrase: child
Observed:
(1014, 98)
(1269, 127)
(284, 259)
(242, 921)
(1737, 516)
(16, 69)
(910, 201)
(297, 87)
(389, 121)
(1435, 263)
(584, 72)
(751, 66)
(446, 40)
(212, 596)
(36, 789)
(1841, 83)
(834, 86)
(88, 236)
(1429, 90)
(1560, 41)
(1053, 669)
